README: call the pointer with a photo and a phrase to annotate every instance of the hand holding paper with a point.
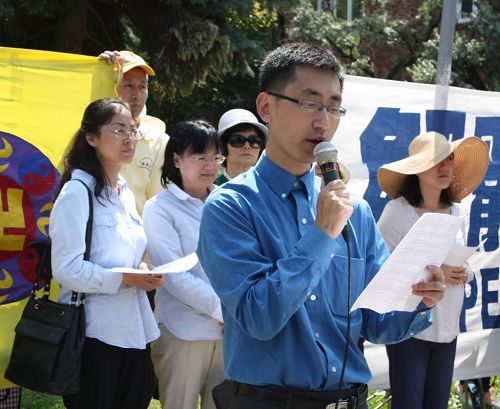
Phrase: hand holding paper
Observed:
(430, 291)
(426, 244)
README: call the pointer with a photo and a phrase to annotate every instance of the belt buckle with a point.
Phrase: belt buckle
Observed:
(343, 404)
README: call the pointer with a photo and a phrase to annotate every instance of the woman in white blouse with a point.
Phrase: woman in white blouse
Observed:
(434, 176)
(116, 366)
(188, 356)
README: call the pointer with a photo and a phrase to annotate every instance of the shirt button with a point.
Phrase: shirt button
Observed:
(423, 313)
(313, 297)
(334, 369)
(304, 221)
(411, 334)
(296, 184)
(331, 255)
(283, 195)
(316, 334)
(309, 198)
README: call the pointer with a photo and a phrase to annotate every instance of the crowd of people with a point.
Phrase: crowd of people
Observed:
(265, 312)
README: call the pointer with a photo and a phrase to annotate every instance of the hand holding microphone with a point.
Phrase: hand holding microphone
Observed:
(334, 205)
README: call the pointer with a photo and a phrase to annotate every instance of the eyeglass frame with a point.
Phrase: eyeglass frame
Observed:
(214, 160)
(128, 134)
(339, 112)
(245, 139)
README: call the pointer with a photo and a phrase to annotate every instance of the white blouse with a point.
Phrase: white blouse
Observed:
(116, 314)
(396, 220)
(186, 304)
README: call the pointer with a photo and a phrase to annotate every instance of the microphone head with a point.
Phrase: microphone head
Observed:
(325, 152)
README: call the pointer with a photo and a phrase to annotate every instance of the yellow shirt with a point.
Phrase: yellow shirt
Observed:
(143, 173)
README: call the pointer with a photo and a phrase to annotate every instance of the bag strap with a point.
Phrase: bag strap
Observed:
(88, 241)
(88, 231)
(86, 255)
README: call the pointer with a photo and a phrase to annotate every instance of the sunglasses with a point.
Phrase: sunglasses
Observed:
(238, 141)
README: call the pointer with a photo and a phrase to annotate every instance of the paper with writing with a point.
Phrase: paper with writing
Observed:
(427, 243)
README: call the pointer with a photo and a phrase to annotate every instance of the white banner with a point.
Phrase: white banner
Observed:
(382, 118)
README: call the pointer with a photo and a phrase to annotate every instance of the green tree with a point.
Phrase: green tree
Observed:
(475, 55)
(193, 44)
(358, 42)
(378, 43)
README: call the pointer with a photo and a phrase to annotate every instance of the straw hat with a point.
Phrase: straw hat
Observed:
(471, 160)
(344, 173)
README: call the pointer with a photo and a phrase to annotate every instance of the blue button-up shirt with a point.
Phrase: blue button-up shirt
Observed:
(283, 282)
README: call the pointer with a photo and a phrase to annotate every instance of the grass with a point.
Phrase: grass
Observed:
(376, 400)
(35, 400)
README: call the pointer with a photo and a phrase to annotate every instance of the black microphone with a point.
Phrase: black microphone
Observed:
(325, 155)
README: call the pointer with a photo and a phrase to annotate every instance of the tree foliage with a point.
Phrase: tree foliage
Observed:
(359, 42)
(206, 52)
(193, 45)
(475, 55)
(378, 44)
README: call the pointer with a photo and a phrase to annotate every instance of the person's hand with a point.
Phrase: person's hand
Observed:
(110, 56)
(454, 275)
(145, 266)
(146, 282)
(334, 208)
(433, 289)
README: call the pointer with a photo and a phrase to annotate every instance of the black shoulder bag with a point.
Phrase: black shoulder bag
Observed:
(48, 344)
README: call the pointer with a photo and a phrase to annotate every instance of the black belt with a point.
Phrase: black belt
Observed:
(303, 399)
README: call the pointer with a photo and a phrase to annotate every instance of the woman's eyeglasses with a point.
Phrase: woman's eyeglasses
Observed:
(238, 141)
(214, 160)
(124, 134)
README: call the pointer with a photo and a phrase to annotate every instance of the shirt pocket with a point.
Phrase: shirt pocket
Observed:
(338, 284)
(106, 230)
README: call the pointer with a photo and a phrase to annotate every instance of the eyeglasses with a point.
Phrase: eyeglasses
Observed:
(238, 141)
(124, 134)
(214, 160)
(313, 106)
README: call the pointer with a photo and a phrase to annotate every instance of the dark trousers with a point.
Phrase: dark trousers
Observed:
(243, 402)
(232, 395)
(113, 378)
(420, 373)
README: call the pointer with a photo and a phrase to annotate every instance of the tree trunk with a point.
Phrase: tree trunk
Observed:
(71, 27)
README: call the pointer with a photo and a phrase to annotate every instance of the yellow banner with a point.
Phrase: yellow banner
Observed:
(42, 98)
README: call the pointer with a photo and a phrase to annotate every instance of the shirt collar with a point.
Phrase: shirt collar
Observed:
(144, 128)
(90, 181)
(182, 195)
(224, 172)
(281, 181)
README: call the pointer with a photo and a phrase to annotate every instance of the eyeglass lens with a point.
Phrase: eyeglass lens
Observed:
(123, 134)
(237, 141)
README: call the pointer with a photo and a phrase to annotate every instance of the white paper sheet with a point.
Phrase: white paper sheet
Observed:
(427, 243)
(459, 254)
(177, 266)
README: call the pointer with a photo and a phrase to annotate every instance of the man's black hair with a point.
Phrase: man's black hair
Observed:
(278, 68)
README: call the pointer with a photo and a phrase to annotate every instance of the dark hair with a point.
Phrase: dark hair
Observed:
(278, 68)
(413, 195)
(245, 126)
(79, 154)
(195, 136)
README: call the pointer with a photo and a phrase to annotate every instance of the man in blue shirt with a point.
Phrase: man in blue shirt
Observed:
(271, 244)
